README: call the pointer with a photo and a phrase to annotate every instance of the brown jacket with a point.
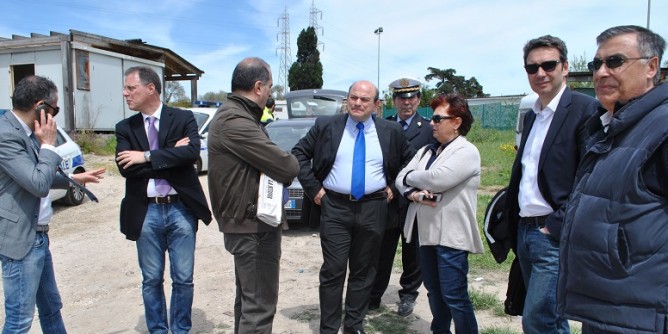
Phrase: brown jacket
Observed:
(239, 150)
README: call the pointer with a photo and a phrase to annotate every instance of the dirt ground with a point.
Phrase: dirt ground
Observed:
(100, 281)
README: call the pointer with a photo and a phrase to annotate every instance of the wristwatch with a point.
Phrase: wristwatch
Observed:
(147, 156)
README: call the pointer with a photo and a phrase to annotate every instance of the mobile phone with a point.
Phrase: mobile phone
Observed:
(434, 198)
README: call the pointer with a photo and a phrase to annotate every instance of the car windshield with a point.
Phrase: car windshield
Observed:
(200, 118)
(314, 107)
(288, 135)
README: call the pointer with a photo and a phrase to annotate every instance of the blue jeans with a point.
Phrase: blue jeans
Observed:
(172, 228)
(538, 255)
(444, 271)
(28, 282)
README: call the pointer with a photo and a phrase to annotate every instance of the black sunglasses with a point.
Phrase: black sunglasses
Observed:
(610, 62)
(56, 109)
(547, 66)
(438, 118)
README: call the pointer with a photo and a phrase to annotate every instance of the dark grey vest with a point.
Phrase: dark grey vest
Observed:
(614, 246)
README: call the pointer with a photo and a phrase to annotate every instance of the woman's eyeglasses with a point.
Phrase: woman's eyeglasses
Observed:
(547, 66)
(610, 62)
(438, 118)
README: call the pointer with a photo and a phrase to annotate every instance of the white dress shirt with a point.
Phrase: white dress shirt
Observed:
(340, 177)
(531, 201)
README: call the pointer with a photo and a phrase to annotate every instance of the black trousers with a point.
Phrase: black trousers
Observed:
(411, 277)
(350, 236)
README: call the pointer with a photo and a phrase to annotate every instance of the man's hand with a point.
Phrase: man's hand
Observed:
(129, 158)
(182, 142)
(92, 176)
(45, 129)
(390, 194)
(544, 230)
(318, 197)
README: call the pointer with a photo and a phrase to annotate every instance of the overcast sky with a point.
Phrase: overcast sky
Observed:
(479, 38)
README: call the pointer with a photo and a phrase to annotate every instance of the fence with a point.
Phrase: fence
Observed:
(493, 115)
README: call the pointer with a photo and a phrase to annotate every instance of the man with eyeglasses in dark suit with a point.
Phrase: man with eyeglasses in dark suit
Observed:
(541, 179)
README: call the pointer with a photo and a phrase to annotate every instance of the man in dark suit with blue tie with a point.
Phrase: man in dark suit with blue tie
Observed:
(155, 152)
(28, 164)
(406, 98)
(348, 164)
(542, 176)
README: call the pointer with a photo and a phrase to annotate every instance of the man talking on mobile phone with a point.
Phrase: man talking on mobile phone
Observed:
(28, 164)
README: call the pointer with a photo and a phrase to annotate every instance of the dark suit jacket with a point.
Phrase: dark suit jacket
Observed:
(419, 133)
(562, 150)
(175, 164)
(316, 153)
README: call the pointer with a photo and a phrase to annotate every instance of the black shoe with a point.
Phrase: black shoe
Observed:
(353, 331)
(406, 307)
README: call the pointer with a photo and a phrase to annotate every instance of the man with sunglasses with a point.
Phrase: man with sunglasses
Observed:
(615, 233)
(28, 162)
(542, 177)
(406, 98)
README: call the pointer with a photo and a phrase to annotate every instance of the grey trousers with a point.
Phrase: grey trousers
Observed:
(256, 268)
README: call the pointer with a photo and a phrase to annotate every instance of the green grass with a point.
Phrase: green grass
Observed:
(388, 322)
(483, 300)
(90, 142)
(499, 330)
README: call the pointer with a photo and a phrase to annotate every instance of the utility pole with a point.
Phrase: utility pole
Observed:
(285, 55)
(313, 22)
(378, 32)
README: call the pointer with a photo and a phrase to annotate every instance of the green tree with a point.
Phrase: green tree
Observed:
(220, 96)
(277, 92)
(306, 72)
(174, 92)
(449, 82)
(579, 64)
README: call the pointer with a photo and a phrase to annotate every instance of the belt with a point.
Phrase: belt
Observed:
(535, 221)
(169, 199)
(374, 195)
(42, 228)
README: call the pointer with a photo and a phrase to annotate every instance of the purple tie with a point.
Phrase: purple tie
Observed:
(161, 185)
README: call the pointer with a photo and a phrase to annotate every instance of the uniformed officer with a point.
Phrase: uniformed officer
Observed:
(406, 97)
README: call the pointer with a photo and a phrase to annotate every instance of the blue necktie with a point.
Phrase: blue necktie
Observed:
(161, 185)
(359, 160)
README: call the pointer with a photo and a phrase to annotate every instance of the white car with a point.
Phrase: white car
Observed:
(72, 163)
(526, 103)
(203, 117)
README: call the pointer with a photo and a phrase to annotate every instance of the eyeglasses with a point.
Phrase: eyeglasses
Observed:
(547, 66)
(438, 118)
(56, 109)
(610, 62)
(130, 89)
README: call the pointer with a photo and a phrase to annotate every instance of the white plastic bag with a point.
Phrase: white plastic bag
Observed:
(270, 201)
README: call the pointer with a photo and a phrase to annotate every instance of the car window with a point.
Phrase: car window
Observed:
(200, 118)
(60, 139)
(314, 106)
(286, 137)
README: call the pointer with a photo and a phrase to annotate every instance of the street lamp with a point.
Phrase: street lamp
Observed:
(378, 32)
